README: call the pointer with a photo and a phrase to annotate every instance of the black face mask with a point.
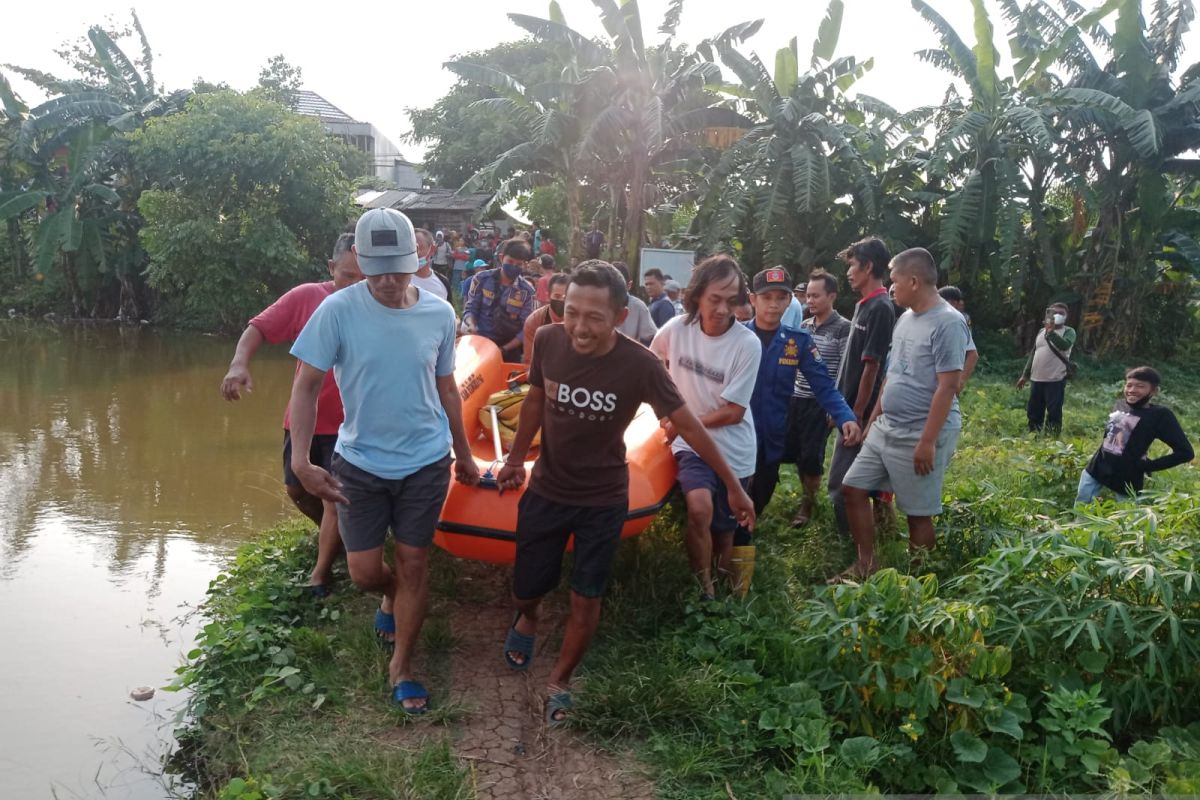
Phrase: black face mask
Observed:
(557, 306)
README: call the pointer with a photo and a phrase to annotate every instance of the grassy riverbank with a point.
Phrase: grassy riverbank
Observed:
(1044, 650)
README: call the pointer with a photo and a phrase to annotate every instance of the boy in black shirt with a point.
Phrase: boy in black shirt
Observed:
(1121, 464)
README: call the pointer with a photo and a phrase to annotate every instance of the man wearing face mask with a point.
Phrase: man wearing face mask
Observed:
(1048, 367)
(548, 314)
(425, 278)
(500, 300)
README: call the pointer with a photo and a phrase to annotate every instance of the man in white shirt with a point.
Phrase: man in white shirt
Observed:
(425, 278)
(714, 363)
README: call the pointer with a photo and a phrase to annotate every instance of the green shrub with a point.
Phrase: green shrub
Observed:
(1112, 600)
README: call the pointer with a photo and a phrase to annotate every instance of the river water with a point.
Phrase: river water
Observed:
(125, 482)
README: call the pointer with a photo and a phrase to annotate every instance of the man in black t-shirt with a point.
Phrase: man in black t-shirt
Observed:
(1120, 464)
(861, 372)
(586, 381)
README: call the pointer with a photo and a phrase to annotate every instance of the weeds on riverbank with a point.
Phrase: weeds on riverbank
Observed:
(1040, 649)
(287, 698)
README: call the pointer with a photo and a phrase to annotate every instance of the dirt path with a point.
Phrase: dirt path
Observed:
(501, 736)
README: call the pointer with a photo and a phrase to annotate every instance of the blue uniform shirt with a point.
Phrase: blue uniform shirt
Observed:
(789, 350)
(499, 311)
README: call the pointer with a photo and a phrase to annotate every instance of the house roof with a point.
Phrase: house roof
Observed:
(311, 104)
(426, 200)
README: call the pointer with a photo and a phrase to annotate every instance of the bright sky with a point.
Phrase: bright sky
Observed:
(375, 60)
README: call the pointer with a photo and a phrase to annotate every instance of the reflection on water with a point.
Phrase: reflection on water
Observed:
(124, 480)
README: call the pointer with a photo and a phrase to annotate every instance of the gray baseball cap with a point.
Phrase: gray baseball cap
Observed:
(385, 242)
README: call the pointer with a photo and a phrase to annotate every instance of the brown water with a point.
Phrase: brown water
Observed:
(125, 481)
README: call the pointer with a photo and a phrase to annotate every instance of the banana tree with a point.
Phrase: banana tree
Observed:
(796, 187)
(78, 162)
(14, 172)
(1130, 129)
(553, 116)
(995, 150)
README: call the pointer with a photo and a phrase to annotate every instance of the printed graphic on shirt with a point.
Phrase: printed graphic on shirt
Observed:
(576, 401)
(711, 373)
(791, 354)
(1117, 432)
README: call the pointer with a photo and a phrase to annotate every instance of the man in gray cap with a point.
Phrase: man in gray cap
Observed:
(674, 290)
(391, 347)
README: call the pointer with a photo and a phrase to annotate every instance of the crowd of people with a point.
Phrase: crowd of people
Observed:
(374, 429)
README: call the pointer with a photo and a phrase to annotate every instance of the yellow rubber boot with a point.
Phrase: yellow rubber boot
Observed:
(742, 569)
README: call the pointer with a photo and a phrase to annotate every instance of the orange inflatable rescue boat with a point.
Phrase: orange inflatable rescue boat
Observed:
(477, 522)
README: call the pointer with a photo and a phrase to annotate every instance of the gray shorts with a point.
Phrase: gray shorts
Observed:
(886, 463)
(409, 506)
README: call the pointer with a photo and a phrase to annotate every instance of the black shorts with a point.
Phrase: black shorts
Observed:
(543, 527)
(320, 453)
(409, 506)
(807, 432)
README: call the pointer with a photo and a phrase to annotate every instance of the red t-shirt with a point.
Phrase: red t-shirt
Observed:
(543, 288)
(548, 248)
(282, 321)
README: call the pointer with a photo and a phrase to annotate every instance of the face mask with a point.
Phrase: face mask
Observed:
(557, 307)
(422, 262)
(1059, 319)
(511, 271)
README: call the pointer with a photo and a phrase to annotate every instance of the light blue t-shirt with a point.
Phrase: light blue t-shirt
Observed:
(794, 314)
(386, 362)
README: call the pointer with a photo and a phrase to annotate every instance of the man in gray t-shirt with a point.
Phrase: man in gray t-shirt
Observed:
(915, 425)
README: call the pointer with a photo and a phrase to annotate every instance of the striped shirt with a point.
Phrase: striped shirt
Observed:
(830, 340)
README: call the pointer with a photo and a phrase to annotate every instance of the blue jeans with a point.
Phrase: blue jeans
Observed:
(1090, 488)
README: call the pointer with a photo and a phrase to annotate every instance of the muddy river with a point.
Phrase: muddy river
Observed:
(125, 482)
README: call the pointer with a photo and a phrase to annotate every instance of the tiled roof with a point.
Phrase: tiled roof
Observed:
(311, 104)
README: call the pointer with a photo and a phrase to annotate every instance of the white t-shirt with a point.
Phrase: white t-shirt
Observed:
(710, 371)
(430, 283)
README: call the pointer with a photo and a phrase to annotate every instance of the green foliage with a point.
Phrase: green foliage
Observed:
(463, 138)
(980, 676)
(244, 202)
(1112, 598)
(279, 81)
(283, 690)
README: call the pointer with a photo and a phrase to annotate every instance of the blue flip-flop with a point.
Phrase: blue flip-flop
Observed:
(384, 624)
(517, 642)
(556, 704)
(410, 690)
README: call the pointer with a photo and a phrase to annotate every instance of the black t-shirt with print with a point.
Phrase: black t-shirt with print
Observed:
(1120, 463)
(590, 401)
(870, 339)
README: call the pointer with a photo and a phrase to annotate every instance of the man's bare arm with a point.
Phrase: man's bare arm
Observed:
(237, 379)
(302, 412)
